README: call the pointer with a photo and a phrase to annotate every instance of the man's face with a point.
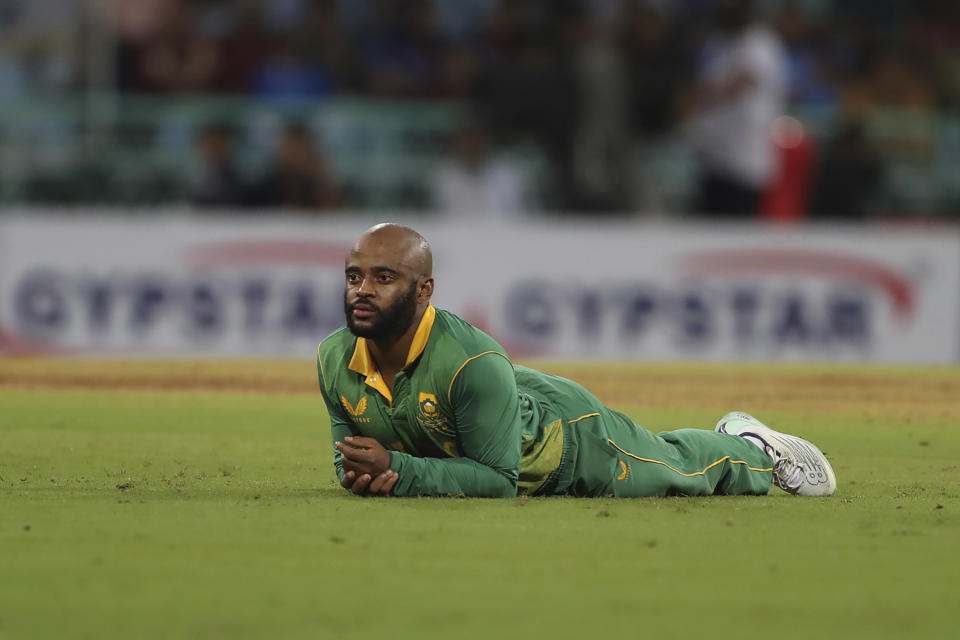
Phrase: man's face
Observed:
(380, 298)
(378, 321)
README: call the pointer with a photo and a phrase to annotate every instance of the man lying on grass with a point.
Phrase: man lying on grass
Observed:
(422, 403)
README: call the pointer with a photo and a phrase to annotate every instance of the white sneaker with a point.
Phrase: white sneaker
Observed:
(798, 466)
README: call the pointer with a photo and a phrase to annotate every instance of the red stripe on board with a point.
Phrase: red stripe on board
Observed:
(12, 344)
(896, 286)
(267, 252)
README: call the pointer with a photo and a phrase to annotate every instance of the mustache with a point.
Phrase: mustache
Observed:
(363, 305)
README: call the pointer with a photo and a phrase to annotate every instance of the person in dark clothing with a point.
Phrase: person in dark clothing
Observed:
(849, 175)
(219, 183)
(300, 178)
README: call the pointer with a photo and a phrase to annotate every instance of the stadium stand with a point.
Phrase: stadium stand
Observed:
(589, 97)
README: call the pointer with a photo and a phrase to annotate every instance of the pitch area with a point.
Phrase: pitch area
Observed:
(161, 499)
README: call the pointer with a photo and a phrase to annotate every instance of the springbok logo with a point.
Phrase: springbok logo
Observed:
(428, 413)
(357, 411)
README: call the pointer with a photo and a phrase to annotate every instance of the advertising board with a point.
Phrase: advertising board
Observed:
(238, 286)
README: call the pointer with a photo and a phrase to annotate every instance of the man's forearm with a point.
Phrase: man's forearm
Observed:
(453, 476)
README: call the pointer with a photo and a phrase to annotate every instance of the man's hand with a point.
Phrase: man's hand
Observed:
(382, 485)
(363, 455)
(367, 466)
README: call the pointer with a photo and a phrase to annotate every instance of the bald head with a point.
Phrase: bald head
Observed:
(389, 283)
(401, 245)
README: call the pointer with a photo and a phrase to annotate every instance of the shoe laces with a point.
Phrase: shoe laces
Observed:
(788, 475)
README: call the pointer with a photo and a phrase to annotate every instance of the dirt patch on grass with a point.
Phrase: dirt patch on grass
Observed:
(790, 388)
(260, 376)
(863, 391)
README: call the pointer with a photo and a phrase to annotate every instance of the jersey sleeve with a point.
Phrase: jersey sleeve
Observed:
(340, 424)
(487, 409)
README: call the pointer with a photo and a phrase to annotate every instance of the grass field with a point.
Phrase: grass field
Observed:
(198, 500)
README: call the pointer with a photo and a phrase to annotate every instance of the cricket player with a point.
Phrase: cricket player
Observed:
(422, 403)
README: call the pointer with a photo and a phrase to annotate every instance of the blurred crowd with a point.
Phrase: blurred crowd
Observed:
(598, 87)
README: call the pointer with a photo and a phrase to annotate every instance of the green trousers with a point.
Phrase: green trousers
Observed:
(608, 454)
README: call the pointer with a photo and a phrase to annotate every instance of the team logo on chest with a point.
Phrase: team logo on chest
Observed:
(355, 411)
(428, 413)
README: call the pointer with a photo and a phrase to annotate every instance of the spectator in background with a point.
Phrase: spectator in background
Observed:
(176, 55)
(473, 182)
(458, 73)
(244, 48)
(40, 45)
(286, 74)
(742, 87)
(325, 43)
(137, 23)
(314, 58)
(300, 177)
(218, 184)
(403, 48)
(937, 25)
(601, 145)
(899, 78)
(848, 178)
(657, 61)
(529, 91)
(811, 81)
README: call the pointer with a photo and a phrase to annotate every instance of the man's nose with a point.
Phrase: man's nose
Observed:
(365, 289)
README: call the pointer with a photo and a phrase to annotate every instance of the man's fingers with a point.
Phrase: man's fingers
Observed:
(378, 482)
(346, 452)
(360, 484)
(362, 442)
(347, 481)
(387, 488)
(373, 460)
(383, 483)
(351, 453)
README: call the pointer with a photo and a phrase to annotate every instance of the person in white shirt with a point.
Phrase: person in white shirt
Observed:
(741, 89)
(473, 182)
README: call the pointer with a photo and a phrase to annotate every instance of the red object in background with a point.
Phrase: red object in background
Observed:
(786, 200)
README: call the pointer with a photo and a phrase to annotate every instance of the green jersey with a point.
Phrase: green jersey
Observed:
(461, 419)
(455, 421)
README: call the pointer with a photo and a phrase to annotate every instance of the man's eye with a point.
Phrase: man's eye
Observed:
(385, 277)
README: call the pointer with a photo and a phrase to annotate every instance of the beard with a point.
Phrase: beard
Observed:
(389, 323)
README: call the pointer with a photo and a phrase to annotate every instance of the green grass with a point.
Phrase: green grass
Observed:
(136, 514)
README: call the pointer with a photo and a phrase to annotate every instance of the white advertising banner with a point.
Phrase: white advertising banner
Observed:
(239, 286)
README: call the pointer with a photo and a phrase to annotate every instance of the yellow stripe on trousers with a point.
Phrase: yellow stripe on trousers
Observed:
(688, 475)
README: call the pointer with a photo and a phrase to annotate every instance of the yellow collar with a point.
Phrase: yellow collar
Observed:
(362, 362)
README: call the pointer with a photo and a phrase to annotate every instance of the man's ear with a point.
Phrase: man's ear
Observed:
(425, 290)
